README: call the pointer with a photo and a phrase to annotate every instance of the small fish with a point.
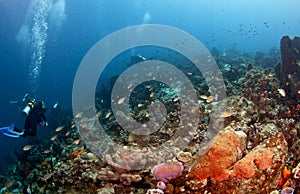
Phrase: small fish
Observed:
(140, 105)
(176, 99)
(121, 100)
(148, 86)
(271, 74)
(129, 86)
(149, 74)
(9, 183)
(76, 142)
(46, 151)
(226, 114)
(298, 92)
(152, 95)
(203, 97)
(281, 92)
(107, 115)
(73, 126)
(53, 137)
(210, 99)
(67, 133)
(190, 73)
(47, 176)
(59, 128)
(78, 115)
(97, 115)
(27, 147)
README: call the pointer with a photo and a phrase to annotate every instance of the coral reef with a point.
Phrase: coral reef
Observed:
(257, 150)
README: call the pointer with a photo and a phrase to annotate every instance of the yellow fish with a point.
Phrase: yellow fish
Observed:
(121, 100)
(67, 133)
(203, 97)
(53, 137)
(76, 142)
(210, 99)
(78, 115)
(46, 151)
(59, 128)
(27, 147)
(226, 114)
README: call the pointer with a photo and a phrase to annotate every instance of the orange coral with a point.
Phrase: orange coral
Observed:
(263, 158)
(224, 152)
(284, 180)
(246, 167)
(76, 153)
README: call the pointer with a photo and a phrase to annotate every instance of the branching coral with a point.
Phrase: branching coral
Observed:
(126, 161)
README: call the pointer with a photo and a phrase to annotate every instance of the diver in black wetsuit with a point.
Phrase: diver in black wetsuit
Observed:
(36, 115)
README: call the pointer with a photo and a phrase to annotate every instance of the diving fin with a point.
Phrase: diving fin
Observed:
(9, 131)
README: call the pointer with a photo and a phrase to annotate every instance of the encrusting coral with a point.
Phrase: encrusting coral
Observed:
(225, 151)
(257, 170)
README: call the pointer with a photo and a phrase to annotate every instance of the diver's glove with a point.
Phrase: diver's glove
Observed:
(43, 124)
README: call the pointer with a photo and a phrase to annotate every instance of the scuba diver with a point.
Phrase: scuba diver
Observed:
(35, 114)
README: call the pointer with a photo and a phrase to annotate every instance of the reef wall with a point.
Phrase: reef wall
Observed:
(290, 67)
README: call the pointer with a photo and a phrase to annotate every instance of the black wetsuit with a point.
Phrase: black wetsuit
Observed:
(36, 116)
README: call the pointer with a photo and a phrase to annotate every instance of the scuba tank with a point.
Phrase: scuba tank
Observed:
(29, 106)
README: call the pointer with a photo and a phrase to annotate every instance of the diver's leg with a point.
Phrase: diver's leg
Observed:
(15, 129)
(26, 127)
(31, 126)
(32, 131)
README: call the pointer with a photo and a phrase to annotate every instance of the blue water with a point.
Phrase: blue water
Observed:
(47, 70)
